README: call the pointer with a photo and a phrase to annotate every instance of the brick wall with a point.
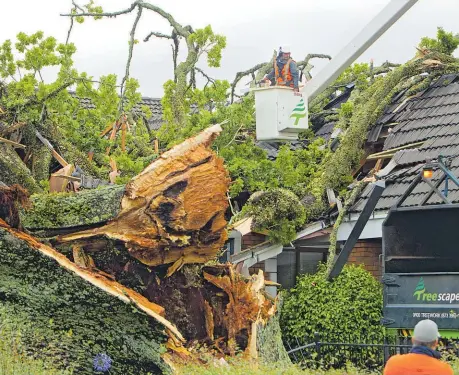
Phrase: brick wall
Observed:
(252, 239)
(256, 267)
(367, 252)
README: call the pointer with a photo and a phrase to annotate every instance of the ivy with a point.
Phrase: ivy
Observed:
(64, 210)
(342, 214)
(279, 211)
(62, 318)
(336, 168)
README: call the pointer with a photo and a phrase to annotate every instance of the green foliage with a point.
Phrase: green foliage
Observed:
(336, 168)
(172, 133)
(446, 42)
(65, 210)
(278, 211)
(346, 109)
(90, 8)
(270, 346)
(251, 170)
(60, 317)
(344, 310)
(357, 73)
(49, 108)
(212, 44)
(342, 214)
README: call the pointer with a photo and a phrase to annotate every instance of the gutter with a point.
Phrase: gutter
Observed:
(267, 250)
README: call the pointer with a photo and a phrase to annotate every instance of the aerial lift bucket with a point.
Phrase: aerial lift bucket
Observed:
(280, 113)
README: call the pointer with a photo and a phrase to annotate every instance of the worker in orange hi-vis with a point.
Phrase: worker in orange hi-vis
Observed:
(423, 358)
(285, 71)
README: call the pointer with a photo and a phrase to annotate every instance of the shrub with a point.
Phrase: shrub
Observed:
(348, 309)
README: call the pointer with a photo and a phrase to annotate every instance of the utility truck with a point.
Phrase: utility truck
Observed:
(420, 258)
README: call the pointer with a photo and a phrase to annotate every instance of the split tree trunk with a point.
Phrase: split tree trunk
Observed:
(171, 213)
(112, 244)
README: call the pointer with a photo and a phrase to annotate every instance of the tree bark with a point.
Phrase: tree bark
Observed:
(168, 216)
(171, 213)
(14, 171)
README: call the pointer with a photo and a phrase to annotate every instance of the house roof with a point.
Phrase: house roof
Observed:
(272, 148)
(326, 130)
(322, 126)
(431, 117)
(154, 122)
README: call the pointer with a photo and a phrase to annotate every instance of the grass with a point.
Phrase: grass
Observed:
(240, 367)
(12, 362)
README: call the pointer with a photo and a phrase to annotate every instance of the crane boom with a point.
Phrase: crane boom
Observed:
(377, 27)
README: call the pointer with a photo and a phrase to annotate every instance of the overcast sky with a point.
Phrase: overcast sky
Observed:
(253, 29)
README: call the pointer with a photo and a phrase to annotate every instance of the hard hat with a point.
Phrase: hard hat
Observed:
(285, 49)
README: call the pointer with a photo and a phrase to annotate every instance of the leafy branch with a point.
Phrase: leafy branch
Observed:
(303, 66)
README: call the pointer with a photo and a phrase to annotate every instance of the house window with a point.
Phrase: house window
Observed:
(290, 264)
(228, 251)
(286, 269)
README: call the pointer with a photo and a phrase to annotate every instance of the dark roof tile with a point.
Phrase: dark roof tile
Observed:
(432, 117)
(326, 131)
(154, 104)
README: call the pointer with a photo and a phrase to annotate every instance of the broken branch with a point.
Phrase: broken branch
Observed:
(158, 35)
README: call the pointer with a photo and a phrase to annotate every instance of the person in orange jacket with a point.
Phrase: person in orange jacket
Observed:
(285, 71)
(423, 358)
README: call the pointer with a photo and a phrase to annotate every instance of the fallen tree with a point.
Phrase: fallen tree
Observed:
(171, 213)
(143, 244)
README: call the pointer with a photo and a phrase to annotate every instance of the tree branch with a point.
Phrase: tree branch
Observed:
(182, 31)
(304, 63)
(209, 79)
(77, 7)
(128, 64)
(158, 35)
(49, 96)
(104, 14)
(241, 75)
(70, 31)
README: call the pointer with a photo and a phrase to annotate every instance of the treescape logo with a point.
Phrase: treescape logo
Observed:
(421, 294)
(299, 112)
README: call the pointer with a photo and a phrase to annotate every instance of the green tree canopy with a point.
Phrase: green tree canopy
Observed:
(446, 42)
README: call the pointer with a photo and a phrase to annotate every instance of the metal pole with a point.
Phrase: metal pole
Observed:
(358, 228)
(377, 27)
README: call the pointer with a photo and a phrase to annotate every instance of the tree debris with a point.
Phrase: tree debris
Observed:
(173, 212)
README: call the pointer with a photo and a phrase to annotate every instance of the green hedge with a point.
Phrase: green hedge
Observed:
(348, 309)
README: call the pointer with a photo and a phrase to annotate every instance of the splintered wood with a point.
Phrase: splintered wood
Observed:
(173, 212)
(247, 307)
